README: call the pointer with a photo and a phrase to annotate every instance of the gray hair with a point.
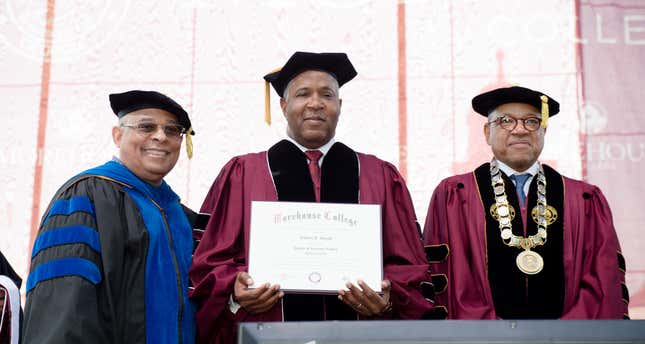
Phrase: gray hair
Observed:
(493, 115)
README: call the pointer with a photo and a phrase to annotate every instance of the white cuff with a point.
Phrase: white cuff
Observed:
(232, 305)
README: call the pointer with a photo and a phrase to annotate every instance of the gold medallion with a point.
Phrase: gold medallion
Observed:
(529, 262)
(504, 210)
(550, 214)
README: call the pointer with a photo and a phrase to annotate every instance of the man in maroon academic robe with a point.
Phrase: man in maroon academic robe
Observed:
(308, 85)
(514, 239)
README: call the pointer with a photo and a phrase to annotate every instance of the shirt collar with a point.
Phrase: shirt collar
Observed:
(323, 149)
(533, 170)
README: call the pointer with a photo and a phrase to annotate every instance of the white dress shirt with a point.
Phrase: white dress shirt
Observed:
(323, 149)
(533, 170)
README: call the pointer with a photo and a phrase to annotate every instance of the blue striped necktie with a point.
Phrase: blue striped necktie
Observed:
(520, 180)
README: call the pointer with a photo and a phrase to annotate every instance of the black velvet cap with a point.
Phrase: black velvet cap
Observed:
(485, 103)
(336, 64)
(126, 102)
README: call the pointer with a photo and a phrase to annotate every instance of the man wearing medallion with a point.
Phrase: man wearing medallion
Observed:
(308, 166)
(514, 239)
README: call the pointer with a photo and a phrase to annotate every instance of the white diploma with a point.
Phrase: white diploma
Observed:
(315, 247)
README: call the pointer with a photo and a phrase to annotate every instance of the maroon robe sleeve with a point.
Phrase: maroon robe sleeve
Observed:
(594, 285)
(404, 262)
(221, 254)
(435, 234)
(455, 219)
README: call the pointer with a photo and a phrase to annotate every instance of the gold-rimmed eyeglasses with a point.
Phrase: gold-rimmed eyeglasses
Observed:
(509, 123)
(146, 129)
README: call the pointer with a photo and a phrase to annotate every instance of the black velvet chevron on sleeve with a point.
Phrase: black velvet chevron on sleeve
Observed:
(427, 290)
(621, 262)
(437, 253)
(437, 313)
(440, 282)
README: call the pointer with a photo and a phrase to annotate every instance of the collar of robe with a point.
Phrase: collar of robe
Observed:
(290, 173)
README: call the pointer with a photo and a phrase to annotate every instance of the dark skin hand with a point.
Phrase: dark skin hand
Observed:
(361, 298)
(257, 300)
(366, 301)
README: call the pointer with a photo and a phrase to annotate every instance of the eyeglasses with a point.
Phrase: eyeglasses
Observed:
(509, 123)
(147, 129)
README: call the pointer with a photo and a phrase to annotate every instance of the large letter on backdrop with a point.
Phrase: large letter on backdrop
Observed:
(613, 67)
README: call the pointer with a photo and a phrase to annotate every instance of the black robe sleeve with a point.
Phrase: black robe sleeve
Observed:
(86, 266)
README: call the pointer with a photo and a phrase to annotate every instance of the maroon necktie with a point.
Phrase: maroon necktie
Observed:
(314, 170)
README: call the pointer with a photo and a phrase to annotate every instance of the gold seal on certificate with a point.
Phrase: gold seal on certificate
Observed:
(315, 247)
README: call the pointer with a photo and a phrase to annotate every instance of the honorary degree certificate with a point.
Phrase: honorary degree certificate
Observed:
(315, 247)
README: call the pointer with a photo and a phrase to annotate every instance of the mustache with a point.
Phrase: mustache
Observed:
(156, 148)
(315, 116)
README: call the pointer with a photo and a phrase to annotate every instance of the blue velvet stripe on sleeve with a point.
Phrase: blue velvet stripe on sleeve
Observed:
(69, 206)
(64, 267)
(67, 235)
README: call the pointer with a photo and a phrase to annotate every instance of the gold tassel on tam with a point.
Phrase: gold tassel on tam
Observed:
(189, 143)
(267, 95)
(267, 103)
(545, 110)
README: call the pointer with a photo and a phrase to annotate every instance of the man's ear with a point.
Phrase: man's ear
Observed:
(487, 133)
(117, 133)
(283, 106)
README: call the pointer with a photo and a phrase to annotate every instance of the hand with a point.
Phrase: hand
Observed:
(366, 301)
(257, 300)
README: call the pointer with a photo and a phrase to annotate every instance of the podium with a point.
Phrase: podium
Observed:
(445, 331)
